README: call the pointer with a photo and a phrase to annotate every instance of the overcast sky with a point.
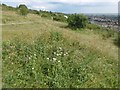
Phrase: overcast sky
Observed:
(69, 6)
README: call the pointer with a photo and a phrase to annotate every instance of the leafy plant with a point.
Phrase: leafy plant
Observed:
(51, 63)
(77, 21)
(23, 9)
(59, 18)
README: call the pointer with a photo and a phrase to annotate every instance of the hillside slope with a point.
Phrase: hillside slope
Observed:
(51, 55)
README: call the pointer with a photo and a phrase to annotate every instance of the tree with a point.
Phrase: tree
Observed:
(23, 9)
(4, 4)
(77, 21)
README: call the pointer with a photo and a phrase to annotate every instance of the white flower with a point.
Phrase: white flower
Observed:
(29, 58)
(61, 53)
(66, 53)
(58, 54)
(54, 52)
(54, 59)
(32, 68)
(60, 48)
(58, 61)
(47, 58)
(35, 55)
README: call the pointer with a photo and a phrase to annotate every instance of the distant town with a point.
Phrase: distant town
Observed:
(107, 21)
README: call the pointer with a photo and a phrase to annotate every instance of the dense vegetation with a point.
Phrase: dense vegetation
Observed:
(55, 62)
(23, 9)
(77, 21)
(45, 53)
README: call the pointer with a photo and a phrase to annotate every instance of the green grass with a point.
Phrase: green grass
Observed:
(55, 62)
(46, 54)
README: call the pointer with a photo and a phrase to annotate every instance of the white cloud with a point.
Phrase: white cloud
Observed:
(62, 1)
(44, 7)
(17, 1)
(47, 5)
(98, 0)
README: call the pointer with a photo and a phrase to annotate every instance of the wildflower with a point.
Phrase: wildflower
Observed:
(60, 54)
(60, 48)
(14, 84)
(54, 52)
(29, 58)
(57, 54)
(35, 55)
(12, 63)
(12, 46)
(64, 54)
(32, 68)
(47, 58)
(12, 53)
(99, 58)
(58, 61)
(54, 59)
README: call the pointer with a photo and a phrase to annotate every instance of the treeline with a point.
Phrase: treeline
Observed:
(23, 10)
(75, 21)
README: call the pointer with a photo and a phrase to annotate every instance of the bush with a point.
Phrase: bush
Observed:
(77, 21)
(45, 15)
(23, 10)
(5, 7)
(34, 12)
(59, 18)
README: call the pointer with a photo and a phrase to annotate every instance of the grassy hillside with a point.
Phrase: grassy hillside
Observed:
(44, 53)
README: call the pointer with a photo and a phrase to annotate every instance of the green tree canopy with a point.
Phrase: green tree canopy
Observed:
(23, 9)
(77, 21)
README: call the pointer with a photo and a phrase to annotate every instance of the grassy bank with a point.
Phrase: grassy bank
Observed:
(47, 54)
(56, 62)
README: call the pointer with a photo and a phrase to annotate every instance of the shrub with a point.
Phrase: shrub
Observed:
(77, 21)
(34, 12)
(5, 7)
(59, 18)
(23, 9)
(45, 15)
(4, 4)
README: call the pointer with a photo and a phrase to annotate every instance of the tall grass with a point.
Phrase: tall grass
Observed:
(55, 62)
(46, 54)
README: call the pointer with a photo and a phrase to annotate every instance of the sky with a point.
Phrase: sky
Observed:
(69, 6)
